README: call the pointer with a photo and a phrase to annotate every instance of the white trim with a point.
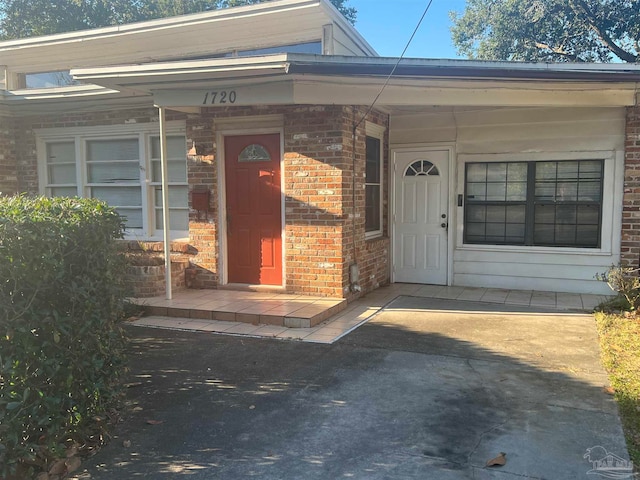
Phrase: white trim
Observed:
(451, 209)
(611, 192)
(142, 132)
(237, 127)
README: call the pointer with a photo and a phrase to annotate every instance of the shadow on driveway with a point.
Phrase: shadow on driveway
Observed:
(426, 389)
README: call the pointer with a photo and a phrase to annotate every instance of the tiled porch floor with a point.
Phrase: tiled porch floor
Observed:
(188, 309)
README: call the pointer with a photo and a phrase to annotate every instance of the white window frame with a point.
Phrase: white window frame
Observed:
(611, 196)
(81, 135)
(376, 131)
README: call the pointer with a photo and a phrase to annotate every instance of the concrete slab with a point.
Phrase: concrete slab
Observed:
(428, 388)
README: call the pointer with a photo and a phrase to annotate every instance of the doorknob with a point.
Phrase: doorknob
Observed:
(444, 225)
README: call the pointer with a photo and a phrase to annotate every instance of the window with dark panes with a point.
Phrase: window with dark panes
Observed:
(555, 203)
(373, 186)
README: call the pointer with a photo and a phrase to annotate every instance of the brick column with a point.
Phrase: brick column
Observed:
(8, 166)
(630, 246)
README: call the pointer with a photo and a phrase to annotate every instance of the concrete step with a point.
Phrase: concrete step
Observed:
(290, 314)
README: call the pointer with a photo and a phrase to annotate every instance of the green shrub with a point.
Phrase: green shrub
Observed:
(61, 346)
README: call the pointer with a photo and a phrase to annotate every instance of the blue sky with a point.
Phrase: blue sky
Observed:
(388, 24)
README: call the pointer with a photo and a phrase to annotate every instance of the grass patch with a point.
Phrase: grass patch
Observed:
(620, 348)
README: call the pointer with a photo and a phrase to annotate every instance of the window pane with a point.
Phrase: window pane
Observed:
(118, 196)
(63, 191)
(176, 147)
(177, 170)
(61, 152)
(496, 192)
(476, 213)
(497, 172)
(61, 174)
(178, 219)
(516, 214)
(178, 196)
(118, 149)
(589, 190)
(587, 235)
(567, 192)
(61, 78)
(588, 214)
(116, 172)
(132, 216)
(254, 153)
(372, 208)
(496, 213)
(517, 172)
(373, 160)
(476, 172)
(516, 191)
(477, 191)
(514, 233)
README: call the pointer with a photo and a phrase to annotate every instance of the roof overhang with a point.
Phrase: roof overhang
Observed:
(313, 79)
(188, 36)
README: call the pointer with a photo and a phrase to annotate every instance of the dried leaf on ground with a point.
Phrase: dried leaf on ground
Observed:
(73, 464)
(609, 390)
(498, 461)
(58, 467)
(155, 422)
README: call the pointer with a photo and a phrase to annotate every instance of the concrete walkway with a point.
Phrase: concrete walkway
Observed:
(427, 389)
(251, 313)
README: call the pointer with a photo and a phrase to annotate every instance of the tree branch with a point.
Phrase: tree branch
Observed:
(558, 51)
(602, 35)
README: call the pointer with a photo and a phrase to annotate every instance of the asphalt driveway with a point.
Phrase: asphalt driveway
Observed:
(426, 389)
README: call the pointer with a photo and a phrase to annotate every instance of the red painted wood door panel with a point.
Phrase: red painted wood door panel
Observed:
(254, 214)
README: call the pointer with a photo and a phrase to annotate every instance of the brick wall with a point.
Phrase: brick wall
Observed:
(8, 167)
(630, 246)
(372, 256)
(323, 234)
(318, 185)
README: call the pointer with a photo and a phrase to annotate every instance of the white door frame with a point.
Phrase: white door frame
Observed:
(223, 264)
(451, 196)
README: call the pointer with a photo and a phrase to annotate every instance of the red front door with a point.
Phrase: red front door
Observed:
(254, 218)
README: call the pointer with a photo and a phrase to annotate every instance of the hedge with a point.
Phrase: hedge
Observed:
(61, 346)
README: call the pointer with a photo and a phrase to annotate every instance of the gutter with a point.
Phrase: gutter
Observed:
(467, 72)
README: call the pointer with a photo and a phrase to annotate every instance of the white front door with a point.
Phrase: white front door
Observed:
(421, 216)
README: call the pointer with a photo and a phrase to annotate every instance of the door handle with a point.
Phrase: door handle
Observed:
(445, 226)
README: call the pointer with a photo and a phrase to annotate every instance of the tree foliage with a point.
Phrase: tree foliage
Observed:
(29, 18)
(549, 30)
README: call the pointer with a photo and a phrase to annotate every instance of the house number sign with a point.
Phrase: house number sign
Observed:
(219, 97)
(226, 95)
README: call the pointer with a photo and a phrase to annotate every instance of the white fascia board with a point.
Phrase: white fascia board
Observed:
(204, 67)
(74, 91)
(461, 93)
(159, 24)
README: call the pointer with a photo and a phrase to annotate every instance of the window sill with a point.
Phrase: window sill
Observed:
(531, 249)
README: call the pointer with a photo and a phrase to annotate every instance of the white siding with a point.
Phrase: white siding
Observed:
(344, 44)
(504, 134)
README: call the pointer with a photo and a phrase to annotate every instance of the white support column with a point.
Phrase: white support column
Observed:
(165, 202)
